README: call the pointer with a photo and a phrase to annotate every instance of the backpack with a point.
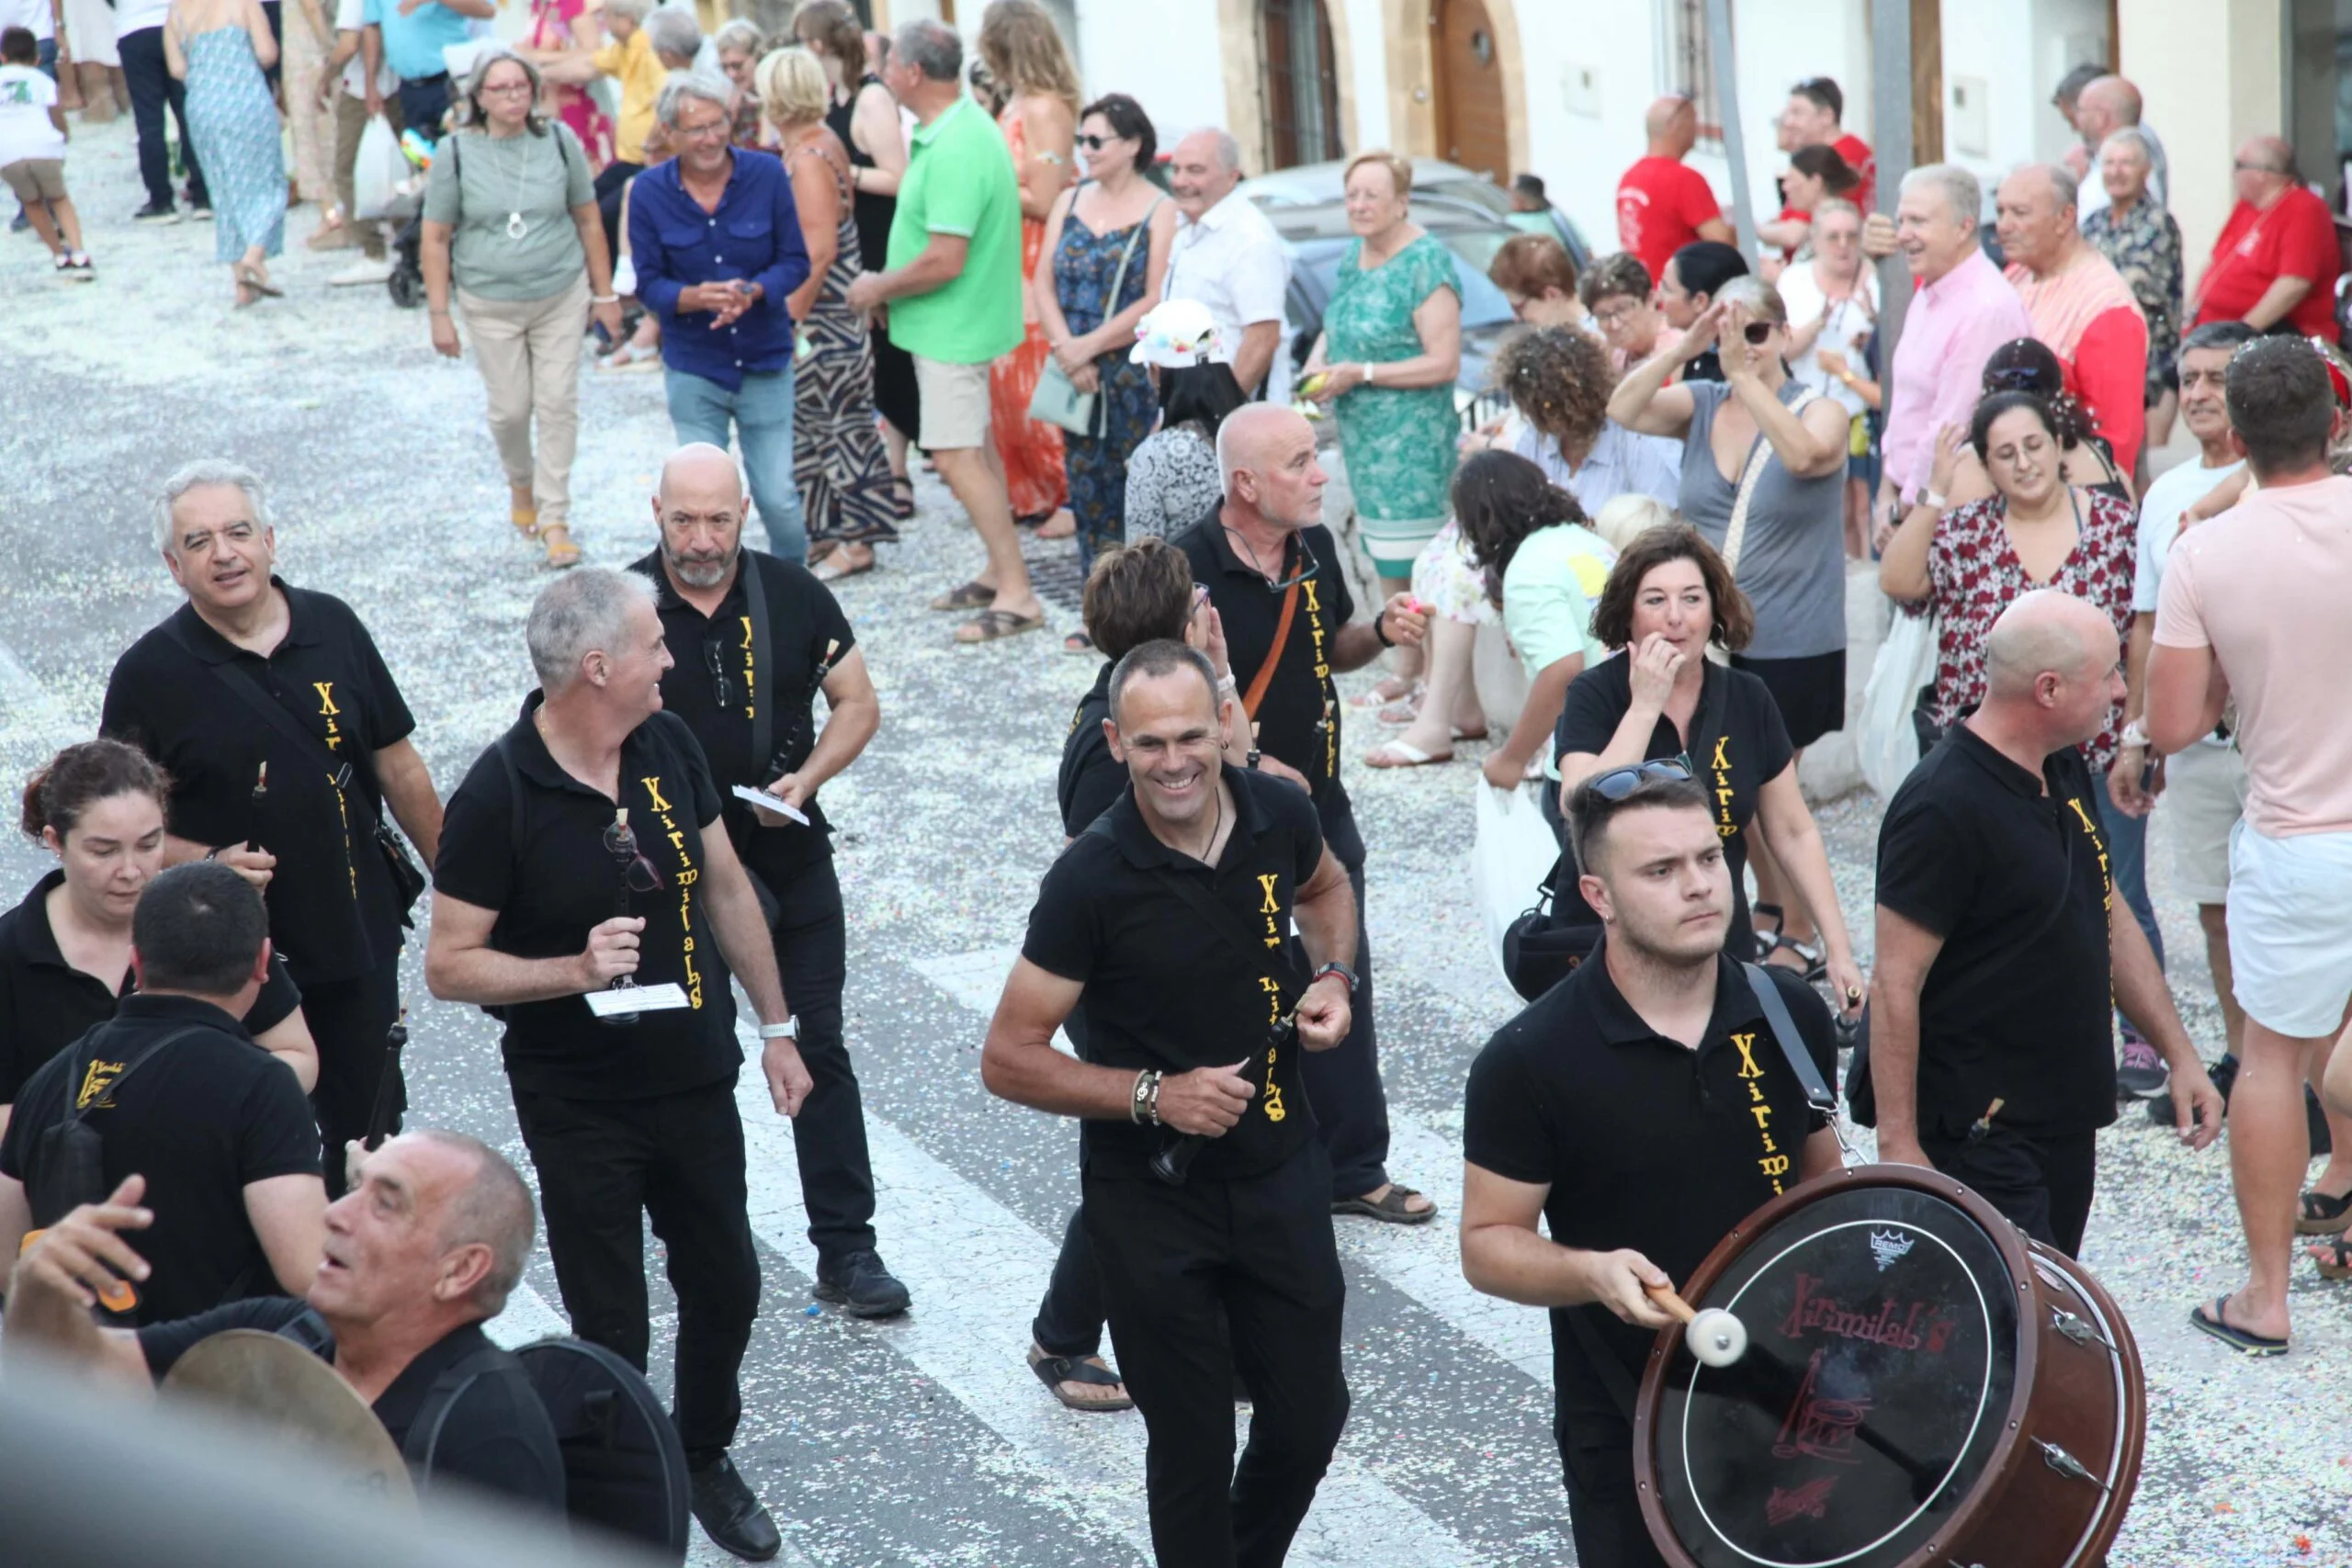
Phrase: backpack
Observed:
(624, 1467)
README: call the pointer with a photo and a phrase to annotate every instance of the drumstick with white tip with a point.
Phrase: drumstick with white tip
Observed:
(1715, 1335)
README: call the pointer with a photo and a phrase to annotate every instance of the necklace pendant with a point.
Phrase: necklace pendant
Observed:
(515, 227)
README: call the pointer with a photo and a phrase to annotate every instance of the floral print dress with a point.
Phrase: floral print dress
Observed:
(1399, 441)
(1974, 574)
(1086, 267)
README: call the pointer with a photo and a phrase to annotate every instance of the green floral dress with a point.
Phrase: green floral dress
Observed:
(1398, 442)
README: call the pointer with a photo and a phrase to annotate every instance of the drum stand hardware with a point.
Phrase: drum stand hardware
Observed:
(2064, 1464)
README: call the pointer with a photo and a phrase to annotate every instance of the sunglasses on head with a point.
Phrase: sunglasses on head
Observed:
(2014, 378)
(1617, 782)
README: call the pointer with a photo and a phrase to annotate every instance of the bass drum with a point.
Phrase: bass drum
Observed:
(1923, 1388)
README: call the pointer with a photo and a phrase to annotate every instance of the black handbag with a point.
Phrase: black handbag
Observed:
(1540, 950)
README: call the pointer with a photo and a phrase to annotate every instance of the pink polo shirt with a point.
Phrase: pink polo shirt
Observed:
(1950, 329)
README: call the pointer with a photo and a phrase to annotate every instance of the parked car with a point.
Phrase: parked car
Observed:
(1317, 238)
(1434, 185)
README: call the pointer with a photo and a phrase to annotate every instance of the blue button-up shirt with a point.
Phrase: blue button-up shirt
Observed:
(754, 234)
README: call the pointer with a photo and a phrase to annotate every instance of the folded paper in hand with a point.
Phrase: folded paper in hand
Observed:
(763, 801)
(636, 999)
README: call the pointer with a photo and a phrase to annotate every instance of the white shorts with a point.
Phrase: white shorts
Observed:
(2204, 796)
(2291, 929)
(955, 404)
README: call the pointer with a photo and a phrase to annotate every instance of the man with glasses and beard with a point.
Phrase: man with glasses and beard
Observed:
(752, 640)
(1274, 578)
(581, 857)
(1640, 1109)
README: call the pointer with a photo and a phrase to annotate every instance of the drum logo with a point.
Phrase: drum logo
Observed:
(1888, 1247)
(1810, 1500)
(1913, 1327)
(1819, 1427)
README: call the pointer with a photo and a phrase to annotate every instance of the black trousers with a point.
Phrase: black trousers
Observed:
(1604, 1510)
(828, 1135)
(610, 182)
(351, 1023)
(680, 1160)
(2043, 1185)
(152, 89)
(422, 103)
(1343, 1084)
(1179, 1264)
(1070, 1320)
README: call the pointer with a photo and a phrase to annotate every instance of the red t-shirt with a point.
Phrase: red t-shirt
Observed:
(2294, 237)
(1857, 154)
(1660, 204)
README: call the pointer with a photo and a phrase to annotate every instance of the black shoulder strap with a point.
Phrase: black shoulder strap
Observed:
(74, 1110)
(1226, 924)
(248, 690)
(1793, 1046)
(424, 1432)
(515, 811)
(308, 1330)
(755, 605)
(1606, 1367)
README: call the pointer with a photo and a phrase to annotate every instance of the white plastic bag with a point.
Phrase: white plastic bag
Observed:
(1514, 849)
(1888, 744)
(378, 170)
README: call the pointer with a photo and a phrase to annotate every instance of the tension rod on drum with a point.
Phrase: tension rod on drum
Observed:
(2064, 1464)
(2080, 1331)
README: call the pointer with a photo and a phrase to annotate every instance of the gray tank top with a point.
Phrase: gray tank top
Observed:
(1793, 557)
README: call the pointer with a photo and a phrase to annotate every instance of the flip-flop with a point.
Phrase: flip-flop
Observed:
(995, 625)
(1056, 1370)
(2242, 1340)
(1390, 1208)
(2323, 1216)
(970, 596)
(1398, 754)
(2334, 1257)
(252, 278)
(1385, 690)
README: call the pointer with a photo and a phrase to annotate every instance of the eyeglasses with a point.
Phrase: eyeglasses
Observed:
(1618, 782)
(715, 131)
(714, 659)
(1759, 332)
(2243, 167)
(1616, 314)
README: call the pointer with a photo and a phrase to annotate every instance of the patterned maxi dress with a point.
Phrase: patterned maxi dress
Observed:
(894, 367)
(838, 462)
(1085, 264)
(552, 25)
(235, 122)
(1031, 450)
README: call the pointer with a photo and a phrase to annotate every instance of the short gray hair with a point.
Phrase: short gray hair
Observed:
(635, 10)
(673, 30)
(493, 1210)
(1758, 297)
(1962, 193)
(584, 611)
(684, 85)
(196, 476)
(1229, 150)
(2132, 136)
(931, 47)
(741, 33)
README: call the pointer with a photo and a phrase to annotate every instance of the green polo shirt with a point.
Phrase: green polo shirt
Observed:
(959, 180)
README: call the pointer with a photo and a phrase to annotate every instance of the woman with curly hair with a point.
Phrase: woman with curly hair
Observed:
(1559, 380)
(1032, 66)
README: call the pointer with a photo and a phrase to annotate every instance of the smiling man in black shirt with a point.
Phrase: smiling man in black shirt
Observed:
(1999, 955)
(287, 743)
(1641, 1108)
(744, 677)
(1165, 926)
(1274, 575)
(423, 1250)
(596, 805)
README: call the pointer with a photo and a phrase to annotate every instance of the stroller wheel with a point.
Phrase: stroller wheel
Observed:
(406, 287)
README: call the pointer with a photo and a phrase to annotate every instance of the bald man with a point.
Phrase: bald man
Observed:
(2274, 263)
(2080, 305)
(2000, 941)
(753, 639)
(1663, 204)
(2106, 105)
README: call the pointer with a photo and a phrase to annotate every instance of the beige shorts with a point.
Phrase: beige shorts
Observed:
(955, 404)
(37, 179)
(2204, 795)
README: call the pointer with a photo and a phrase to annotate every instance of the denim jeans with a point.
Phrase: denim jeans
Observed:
(2127, 848)
(761, 413)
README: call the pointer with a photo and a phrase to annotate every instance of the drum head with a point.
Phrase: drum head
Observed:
(287, 1392)
(1882, 1364)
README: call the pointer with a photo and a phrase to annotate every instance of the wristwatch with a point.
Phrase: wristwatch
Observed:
(788, 1030)
(1342, 970)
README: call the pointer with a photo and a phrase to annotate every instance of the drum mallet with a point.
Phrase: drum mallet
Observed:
(1715, 1335)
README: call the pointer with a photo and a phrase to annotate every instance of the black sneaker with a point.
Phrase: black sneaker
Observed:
(730, 1515)
(2224, 1073)
(156, 212)
(2141, 1074)
(861, 1286)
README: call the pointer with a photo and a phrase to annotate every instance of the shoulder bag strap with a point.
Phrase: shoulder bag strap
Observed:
(433, 1413)
(1126, 255)
(756, 605)
(1759, 456)
(1227, 925)
(248, 690)
(74, 1112)
(1793, 1046)
(1265, 675)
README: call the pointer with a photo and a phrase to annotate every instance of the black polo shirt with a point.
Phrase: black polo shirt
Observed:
(1645, 1143)
(553, 881)
(332, 911)
(1745, 747)
(1298, 722)
(804, 621)
(495, 1437)
(46, 1004)
(2011, 871)
(201, 1122)
(1090, 777)
(1167, 989)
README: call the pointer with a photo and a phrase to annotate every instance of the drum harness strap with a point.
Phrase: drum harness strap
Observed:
(1606, 1366)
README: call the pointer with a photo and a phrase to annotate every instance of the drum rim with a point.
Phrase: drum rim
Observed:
(2006, 1240)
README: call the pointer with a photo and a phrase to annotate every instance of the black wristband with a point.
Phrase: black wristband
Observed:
(1380, 629)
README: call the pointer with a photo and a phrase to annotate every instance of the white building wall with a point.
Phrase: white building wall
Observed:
(1367, 70)
(1591, 70)
(1163, 54)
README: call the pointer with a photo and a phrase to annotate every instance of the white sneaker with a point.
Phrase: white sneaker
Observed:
(362, 271)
